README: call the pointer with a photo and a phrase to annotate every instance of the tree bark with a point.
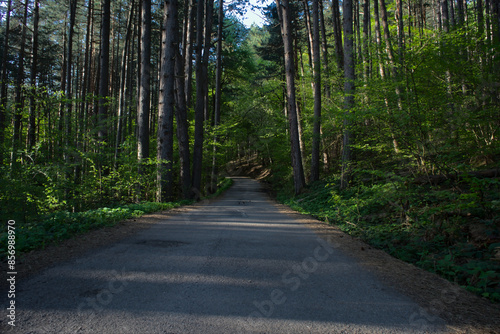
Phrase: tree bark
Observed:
(188, 53)
(166, 104)
(200, 102)
(206, 52)
(445, 16)
(218, 96)
(349, 76)
(401, 42)
(385, 25)
(378, 38)
(123, 87)
(366, 38)
(286, 31)
(337, 31)
(34, 60)
(324, 47)
(19, 101)
(104, 72)
(69, 72)
(316, 140)
(307, 18)
(182, 128)
(144, 89)
(3, 89)
(460, 12)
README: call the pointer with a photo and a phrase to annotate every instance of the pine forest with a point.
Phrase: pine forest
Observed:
(379, 116)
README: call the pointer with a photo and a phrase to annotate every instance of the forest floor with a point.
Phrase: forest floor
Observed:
(463, 311)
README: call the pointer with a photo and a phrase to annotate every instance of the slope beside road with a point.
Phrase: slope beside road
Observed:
(233, 265)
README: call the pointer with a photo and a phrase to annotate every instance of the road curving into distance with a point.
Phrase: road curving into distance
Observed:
(232, 265)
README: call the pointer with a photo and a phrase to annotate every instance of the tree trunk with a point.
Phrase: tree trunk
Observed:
(19, 101)
(87, 77)
(206, 52)
(460, 12)
(200, 102)
(349, 87)
(401, 42)
(166, 103)
(445, 15)
(85, 87)
(104, 72)
(390, 54)
(378, 38)
(144, 89)
(451, 9)
(34, 60)
(495, 19)
(480, 21)
(385, 25)
(307, 18)
(337, 32)
(366, 38)
(69, 88)
(324, 47)
(317, 95)
(3, 90)
(218, 96)
(182, 128)
(123, 87)
(188, 53)
(286, 31)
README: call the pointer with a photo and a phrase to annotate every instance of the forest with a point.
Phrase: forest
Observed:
(379, 116)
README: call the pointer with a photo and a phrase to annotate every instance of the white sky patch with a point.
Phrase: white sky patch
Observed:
(254, 15)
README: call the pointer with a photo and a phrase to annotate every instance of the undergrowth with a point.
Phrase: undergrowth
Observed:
(451, 229)
(55, 227)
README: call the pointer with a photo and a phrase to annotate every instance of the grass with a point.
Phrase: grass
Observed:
(452, 230)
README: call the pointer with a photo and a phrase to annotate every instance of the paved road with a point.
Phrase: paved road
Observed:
(235, 265)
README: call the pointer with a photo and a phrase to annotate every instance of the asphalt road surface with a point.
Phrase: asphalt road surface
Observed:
(234, 265)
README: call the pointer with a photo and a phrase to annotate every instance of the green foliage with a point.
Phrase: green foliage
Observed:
(40, 231)
(61, 225)
(452, 230)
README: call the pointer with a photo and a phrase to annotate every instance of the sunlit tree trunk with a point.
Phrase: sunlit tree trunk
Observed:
(385, 25)
(286, 32)
(188, 51)
(307, 19)
(144, 89)
(324, 50)
(378, 38)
